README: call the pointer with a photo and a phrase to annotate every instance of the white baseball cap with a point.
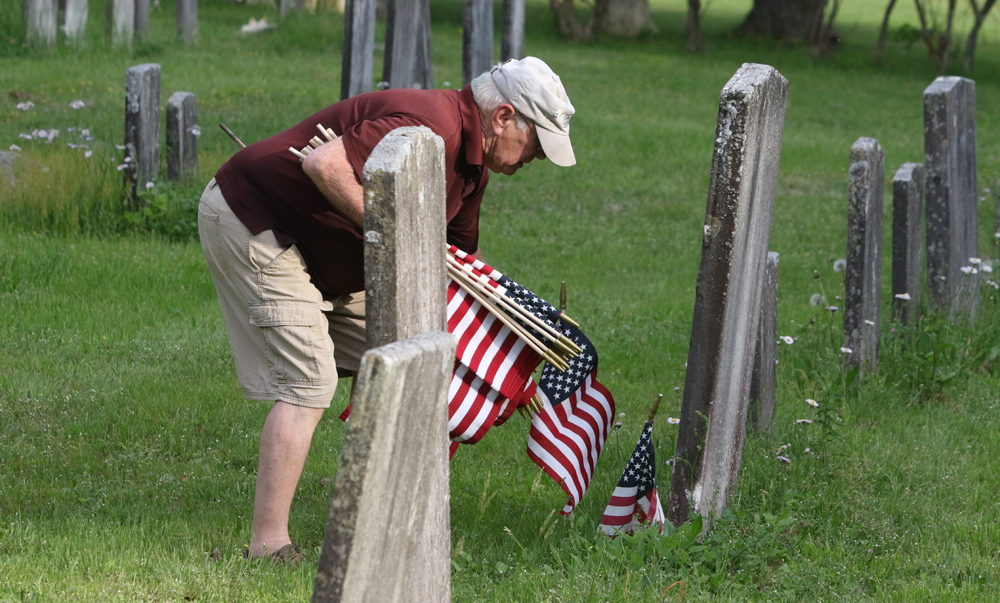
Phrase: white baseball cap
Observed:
(538, 94)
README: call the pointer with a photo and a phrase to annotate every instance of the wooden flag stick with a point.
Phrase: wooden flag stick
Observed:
(297, 154)
(656, 407)
(231, 135)
(326, 132)
(562, 306)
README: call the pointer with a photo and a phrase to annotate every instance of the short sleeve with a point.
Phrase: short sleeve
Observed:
(360, 139)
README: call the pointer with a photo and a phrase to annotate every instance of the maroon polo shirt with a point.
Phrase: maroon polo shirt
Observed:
(266, 188)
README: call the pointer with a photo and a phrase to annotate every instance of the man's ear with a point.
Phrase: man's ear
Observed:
(502, 115)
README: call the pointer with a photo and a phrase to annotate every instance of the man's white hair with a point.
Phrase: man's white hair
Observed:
(488, 98)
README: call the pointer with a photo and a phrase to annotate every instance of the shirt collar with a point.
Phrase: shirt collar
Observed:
(472, 127)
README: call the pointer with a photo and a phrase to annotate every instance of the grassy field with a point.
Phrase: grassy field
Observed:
(129, 455)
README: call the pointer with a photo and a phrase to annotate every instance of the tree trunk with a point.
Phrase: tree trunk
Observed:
(695, 42)
(970, 45)
(784, 19)
(628, 18)
(883, 32)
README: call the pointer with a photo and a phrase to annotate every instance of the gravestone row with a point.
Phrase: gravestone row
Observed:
(126, 20)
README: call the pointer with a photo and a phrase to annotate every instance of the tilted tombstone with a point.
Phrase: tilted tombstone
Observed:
(764, 382)
(512, 33)
(41, 21)
(863, 276)
(477, 38)
(76, 21)
(142, 19)
(142, 127)
(187, 20)
(951, 193)
(729, 291)
(182, 137)
(407, 61)
(381, 545)
(907, 242)
(359, 46)
(121, 22)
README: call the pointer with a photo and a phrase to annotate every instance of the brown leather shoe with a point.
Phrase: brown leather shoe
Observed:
(289, 555)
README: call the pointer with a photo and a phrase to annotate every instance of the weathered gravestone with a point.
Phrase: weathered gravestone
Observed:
(121, 22)
(907, 242)
(729, 292)
(407, 62)
(996, 217)
(764, 382)
(285, 7)
(477, 38)
(182, 138)
(951, 193)
(359, 46)
(187, 20)
(388, 535)
(41, 21)
(512, 32)
(142, 127)
(76, 21)
(141, 19)
(863, 276)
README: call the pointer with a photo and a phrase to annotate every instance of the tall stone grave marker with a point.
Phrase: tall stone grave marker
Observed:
(388, 535)
(76, 21)
(763, 385)
(951, 193)
(729, 292)
(187, 20)
(477, 38)
(142, 127)
(182, 137)
(41, 21)
(359, 46)
(142, 19)
(408, 45)
(121, 22)
(863, 277)
(512, 33)
(907, 242)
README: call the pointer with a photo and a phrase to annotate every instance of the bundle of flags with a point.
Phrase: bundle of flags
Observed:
(635, 502)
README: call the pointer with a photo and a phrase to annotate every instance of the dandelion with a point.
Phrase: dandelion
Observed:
(15, 148)
(847, 350)
(78, 104)
(812, 403)
(832, 308)
(150, 185)
(195, 131)
(783, 459)
(840, 265)
(870, 323)
(787, 339)
(803, 422)
(25, 105)
(903, 296)
(673, 420)
(88, 154)
(817, 300)
(122, 167)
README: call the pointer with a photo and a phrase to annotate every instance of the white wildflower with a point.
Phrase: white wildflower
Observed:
(787, 339)
(122, 167)
(149, 185)
(847, 350)
(870, 323)
(986, 268)
(803, 422)
(968, 270)
(840, 265)
(195, 131)
(15, 148)
(673, 420)
(783, 459)
(903, 296)
(78, 104)
(975, 261)
(25, 105)
(812, 403)
(88, 154)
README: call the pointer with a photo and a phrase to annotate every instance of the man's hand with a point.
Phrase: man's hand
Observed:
(328, 167)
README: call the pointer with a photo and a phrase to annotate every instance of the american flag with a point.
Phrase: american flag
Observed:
(567, 437)
(635, 501)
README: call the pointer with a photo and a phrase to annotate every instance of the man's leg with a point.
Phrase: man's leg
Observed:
(284, 444)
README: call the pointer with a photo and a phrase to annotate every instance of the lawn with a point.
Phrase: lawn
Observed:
(129, 454)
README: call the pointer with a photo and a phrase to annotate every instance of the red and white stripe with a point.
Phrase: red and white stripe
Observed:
(566, 440)
(624, 513)
(473, 406)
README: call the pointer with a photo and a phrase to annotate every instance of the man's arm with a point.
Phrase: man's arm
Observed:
(329, 168)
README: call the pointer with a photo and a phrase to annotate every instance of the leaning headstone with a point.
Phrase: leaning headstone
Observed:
(407, 62)
(907, 242)
(182, 137)
(477, 38)
(142, 19)
(76, 21)
(763, 386)
(142, 127)
(512, 33)
(121, 22)
(388, 536)
(951, 193)
(359, 46)
(729, 292)
(187, 20)
(41, 17)
(863, 275)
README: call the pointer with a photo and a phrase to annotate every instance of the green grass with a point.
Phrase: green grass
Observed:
(129, 454)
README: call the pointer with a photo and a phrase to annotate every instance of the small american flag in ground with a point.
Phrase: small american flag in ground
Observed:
(635, 501)
(567, 436)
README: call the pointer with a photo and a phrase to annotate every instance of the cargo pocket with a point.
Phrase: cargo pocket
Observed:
(299, 347)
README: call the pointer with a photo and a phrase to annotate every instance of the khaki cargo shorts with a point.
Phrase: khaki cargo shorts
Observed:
(287, 340)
